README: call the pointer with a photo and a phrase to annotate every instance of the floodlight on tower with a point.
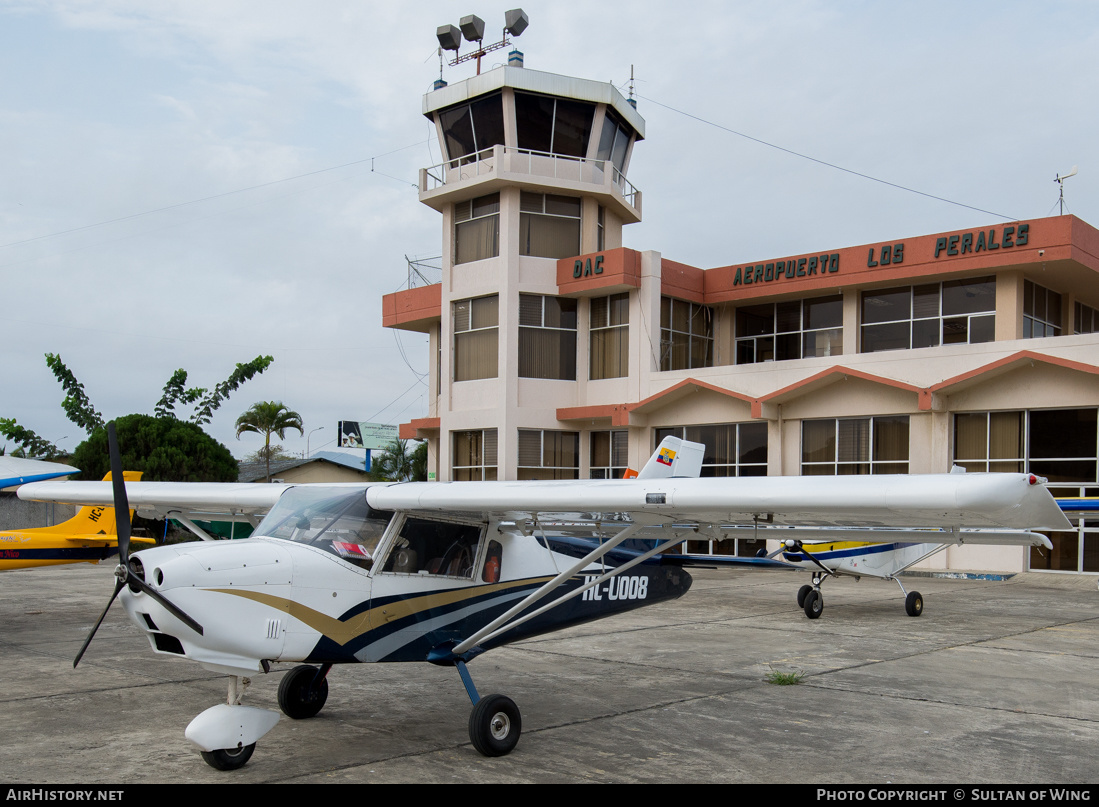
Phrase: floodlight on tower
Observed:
(472, 28)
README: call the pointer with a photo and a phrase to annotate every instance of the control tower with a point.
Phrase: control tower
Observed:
(534, 173)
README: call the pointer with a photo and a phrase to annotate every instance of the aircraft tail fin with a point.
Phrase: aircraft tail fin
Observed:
(674, 457)
(91, 521)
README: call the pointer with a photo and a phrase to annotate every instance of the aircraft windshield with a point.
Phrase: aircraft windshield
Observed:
(341, 523)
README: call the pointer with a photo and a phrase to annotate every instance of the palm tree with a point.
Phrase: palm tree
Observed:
(267, 418)
(397, 464)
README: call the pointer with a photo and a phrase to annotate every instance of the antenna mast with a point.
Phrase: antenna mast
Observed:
(1060, 180)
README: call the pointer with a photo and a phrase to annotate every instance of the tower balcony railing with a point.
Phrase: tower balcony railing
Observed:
(501, 159)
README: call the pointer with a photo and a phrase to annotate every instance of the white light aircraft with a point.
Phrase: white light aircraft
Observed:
(857, 552)
(443, 572)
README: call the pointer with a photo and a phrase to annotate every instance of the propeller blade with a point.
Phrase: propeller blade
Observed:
(124, 573)
(91, 634)
(121, 503)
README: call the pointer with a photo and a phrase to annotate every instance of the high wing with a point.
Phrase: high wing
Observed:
(204, 500)
(987, 501)
(919, 502)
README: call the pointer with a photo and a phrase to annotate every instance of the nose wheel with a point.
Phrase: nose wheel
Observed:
(229, 759)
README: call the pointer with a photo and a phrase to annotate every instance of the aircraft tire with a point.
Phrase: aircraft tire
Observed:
(495, 725)
(814, 604)
(803, 592)
(298, 698)
(229, 759)
(913, 603)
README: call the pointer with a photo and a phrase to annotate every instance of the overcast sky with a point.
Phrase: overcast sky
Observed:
(192, 184)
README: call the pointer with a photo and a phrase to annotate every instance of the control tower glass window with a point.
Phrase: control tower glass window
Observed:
(469, 128)
(477, 229)
(476, 338)
(613, 140)
(553, 125)
(547, 337)
(549, 225)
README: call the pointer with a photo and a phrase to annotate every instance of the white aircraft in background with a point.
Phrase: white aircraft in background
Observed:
(881, 553)
(18, 471)
(442, 572)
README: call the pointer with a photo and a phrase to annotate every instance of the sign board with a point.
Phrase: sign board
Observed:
(371, 436)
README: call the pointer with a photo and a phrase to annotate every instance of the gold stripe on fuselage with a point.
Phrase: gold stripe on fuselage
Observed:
(343, 632)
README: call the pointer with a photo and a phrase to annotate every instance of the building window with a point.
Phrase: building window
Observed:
(837, 447)
(609, 455)
(475, 338)
(955, 312)
(791, 330)
(1087, 319)
(477, 229)
(609, 331)
(614, 140)
(469, 128)
(474, 457)
(549, 225)
(553, 125)
(1041, 311)
(601, 230)
(732, 449)
(1059, 444)
(548, 454)
(1075, 551)
(686, 335)
(547, 337)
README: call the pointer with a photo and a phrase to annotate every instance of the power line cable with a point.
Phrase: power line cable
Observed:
(223, 195)
(825, 162)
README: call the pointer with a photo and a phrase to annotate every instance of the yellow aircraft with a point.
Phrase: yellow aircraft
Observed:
(88, 537)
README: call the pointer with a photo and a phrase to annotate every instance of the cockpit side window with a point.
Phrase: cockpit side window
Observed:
(435, 548)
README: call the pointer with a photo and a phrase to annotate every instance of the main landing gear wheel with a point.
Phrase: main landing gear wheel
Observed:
(814, 604)
(913, 603)
(229, 759)
(299, 697)
(803, 592)
(495, 725)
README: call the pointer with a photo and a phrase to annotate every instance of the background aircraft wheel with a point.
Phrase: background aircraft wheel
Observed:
(298, 697)
(229, 759)
(814, 604)
(913, 603)
(803, 592)
(495, 725)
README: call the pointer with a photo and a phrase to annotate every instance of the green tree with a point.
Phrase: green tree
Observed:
(78, 408)
(396, 463)
(166, 449)
(267, 418)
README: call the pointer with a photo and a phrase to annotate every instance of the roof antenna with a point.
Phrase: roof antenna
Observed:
(1060, 180)
(631, 100)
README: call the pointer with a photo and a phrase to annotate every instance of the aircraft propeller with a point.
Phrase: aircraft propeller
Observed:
(123, 572)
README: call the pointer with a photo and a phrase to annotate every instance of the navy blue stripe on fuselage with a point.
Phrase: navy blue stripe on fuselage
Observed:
(857, 551)
(414, 636)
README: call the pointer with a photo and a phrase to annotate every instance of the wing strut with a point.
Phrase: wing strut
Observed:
(190, 525)
(502, 623)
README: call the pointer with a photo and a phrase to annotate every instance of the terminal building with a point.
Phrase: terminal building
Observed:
(558, 353)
